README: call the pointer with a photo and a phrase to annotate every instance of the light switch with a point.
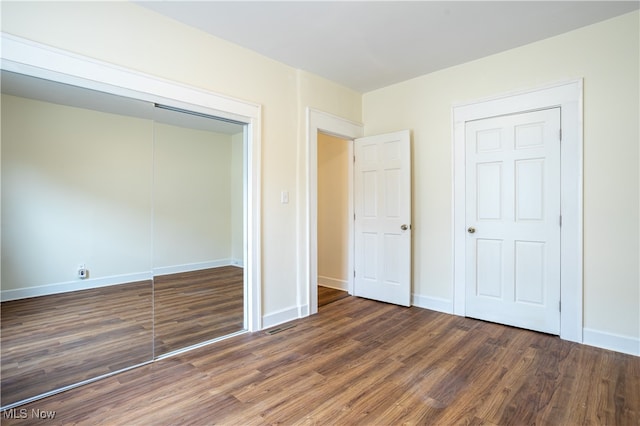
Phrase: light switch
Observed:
(284, 197)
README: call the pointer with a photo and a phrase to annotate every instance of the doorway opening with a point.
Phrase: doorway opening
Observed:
(327, 124)
(334, 217)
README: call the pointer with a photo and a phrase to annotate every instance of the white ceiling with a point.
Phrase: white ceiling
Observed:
(366, 45)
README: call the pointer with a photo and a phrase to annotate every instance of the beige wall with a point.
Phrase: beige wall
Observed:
(192, 196)
(237, 198)
(121, 195)
(606, 55)
(190, 56)
(333, 211)
(76, 188)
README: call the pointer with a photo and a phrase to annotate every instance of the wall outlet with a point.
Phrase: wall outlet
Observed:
(83, 272)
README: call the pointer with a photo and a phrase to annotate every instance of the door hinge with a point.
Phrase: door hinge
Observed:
(560, 220)
(560, 306)
(354, 216)
(560, 131)
(354, 273)
(354, 158)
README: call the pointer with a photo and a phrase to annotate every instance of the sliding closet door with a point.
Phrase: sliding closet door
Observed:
(198, 240)
(76, 214)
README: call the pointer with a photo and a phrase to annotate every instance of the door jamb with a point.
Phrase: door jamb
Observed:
(318, 121)
(567, 96)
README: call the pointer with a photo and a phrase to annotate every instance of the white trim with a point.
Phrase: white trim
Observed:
(188, 267)
(432, 303)
(333, 283)
(68, 286)
(614, 342)
(38, 60)
(280, 317)
(318, 121)
(568, 96)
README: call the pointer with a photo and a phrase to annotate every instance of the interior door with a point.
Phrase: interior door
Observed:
(513, 220)
(382, 192)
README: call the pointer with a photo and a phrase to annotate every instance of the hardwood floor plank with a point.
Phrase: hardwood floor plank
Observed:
(193, 307)
(328, 295)
(54, 341)
(361, 362)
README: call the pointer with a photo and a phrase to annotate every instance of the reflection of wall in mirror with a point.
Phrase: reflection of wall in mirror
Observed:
(77, 189)
(193, 194)
(237, 199)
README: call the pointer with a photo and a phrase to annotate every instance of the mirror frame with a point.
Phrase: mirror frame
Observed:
(38, 60)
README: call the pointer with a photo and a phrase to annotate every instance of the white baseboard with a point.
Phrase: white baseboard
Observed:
(65, 287)
(614, 342)
(333, 283)
(76, 285)
(280, 317)
(187, 267)
(237, 262)
(303, 311)
(432, 303)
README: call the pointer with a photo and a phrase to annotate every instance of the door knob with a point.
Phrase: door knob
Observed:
(404, 227)
(471, 230)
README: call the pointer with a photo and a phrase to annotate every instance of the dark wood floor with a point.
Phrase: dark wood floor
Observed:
(328, 295)
(369, 363)
(193, 307)
(54, 341)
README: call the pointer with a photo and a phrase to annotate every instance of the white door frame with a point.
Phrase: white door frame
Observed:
(318, 121)
(38, 60)
(568, 96)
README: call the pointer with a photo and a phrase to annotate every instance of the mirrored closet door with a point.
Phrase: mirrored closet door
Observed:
(197, 228)
(122, 233)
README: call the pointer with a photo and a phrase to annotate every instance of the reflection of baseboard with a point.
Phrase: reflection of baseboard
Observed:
(76, 285)
(175, 269)
(333, 283)
(68, 286)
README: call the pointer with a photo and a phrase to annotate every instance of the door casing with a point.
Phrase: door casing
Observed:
(567, 96)
(318, 121)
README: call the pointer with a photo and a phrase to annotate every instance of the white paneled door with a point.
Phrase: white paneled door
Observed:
(513, 220)
(382, 190)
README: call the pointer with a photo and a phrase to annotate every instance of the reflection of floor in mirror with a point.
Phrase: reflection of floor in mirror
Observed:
(328, 295)
(193, 307)
(54, 341)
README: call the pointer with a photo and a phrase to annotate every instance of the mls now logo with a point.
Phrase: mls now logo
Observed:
(14, 413)
(23, 413)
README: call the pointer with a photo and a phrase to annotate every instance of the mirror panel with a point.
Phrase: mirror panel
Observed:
(76, 190)
(198, 229)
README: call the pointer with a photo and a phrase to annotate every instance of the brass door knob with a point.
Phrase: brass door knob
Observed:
(471, 230)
